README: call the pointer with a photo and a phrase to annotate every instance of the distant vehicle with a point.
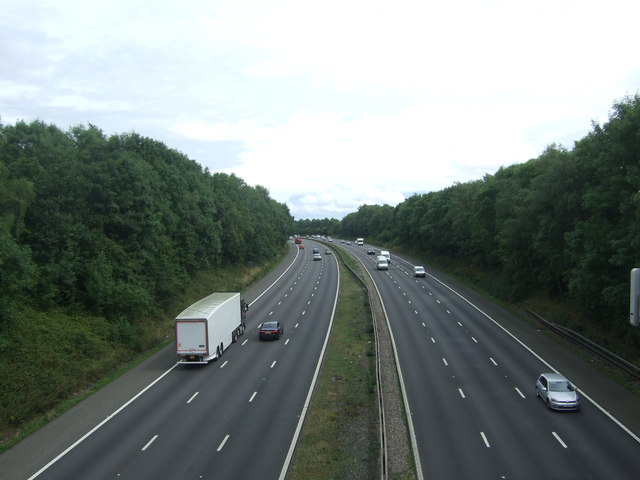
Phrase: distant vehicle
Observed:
(327, 252)
(348, 243)
(317, 256)
(301, 247)
(419, 271)
(273, 330)
(385, 253)
(557, 392)
(382, 263)
(206, 328)
(359, 241)
(297, 240)
(371, 251)
(316, 250)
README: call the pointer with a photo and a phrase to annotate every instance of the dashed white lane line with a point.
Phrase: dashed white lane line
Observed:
(273, 364)
(564, 445)
(461, 393)
(225, 362)
(484, 437)
(221, 446)
(521, 394)
(444, 360)
(253, 396)
(153, 439)
(192, 397)
(493, 361)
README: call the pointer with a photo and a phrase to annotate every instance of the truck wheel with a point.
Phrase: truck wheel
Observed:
(234, 336)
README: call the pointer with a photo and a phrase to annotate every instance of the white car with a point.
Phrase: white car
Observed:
(419, 271)
(557, 392)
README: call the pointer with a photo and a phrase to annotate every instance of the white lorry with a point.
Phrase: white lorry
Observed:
(359, 241)
(206, 328)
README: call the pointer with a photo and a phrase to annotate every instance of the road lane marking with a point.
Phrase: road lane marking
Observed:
(253, 396)
(273, 364)
(225, 362)
(221, 446)
(493, 361)
(246, 340)
(484, 437)
(461, 393)
(521, 394)
(296, 325)
(444, 360)
(192, 397)
(149, 442)
(287, 341)
(433, 340)
(474, 339)
(564, 445)
(459, 323)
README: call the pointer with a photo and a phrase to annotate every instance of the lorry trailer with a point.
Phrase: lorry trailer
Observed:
(205, 329)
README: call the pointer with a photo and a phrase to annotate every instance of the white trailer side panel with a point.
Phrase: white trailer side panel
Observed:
(221, 313)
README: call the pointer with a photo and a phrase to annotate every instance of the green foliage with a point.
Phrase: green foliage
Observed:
(99, 237)
(116, 225)
(566, 223)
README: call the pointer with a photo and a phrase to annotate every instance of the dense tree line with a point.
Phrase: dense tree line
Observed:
(566, 224)
(117, 224)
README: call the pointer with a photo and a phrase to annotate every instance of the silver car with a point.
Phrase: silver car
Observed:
(557, 392)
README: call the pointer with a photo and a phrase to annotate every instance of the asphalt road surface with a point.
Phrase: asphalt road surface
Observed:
(236, 417)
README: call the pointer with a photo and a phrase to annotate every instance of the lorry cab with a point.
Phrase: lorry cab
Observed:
(386, 254)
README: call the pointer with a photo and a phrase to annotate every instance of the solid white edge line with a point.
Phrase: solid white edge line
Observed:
(307, 402)
(90, 432)
(547, 364)
(412, 433)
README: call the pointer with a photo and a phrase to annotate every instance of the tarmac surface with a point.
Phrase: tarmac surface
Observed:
(35, 451)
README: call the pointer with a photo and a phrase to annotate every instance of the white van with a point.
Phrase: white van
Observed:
(386, 254)
(381, 263)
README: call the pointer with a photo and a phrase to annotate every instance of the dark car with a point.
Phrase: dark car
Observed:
(371, 251)
(271, 330)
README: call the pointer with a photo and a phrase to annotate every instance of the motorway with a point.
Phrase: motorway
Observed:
(470, 388)
(468, 375)
(237, 417)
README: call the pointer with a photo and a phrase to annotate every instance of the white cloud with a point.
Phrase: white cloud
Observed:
(331, 105)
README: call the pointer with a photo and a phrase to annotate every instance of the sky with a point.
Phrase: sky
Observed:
(328, 105)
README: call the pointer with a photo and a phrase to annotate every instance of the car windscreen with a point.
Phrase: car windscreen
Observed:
(269, 326)
(562, 386)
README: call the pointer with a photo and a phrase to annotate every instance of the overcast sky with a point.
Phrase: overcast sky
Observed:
(329, 104)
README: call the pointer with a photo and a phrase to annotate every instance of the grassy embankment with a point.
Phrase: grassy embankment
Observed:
(51, 360)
